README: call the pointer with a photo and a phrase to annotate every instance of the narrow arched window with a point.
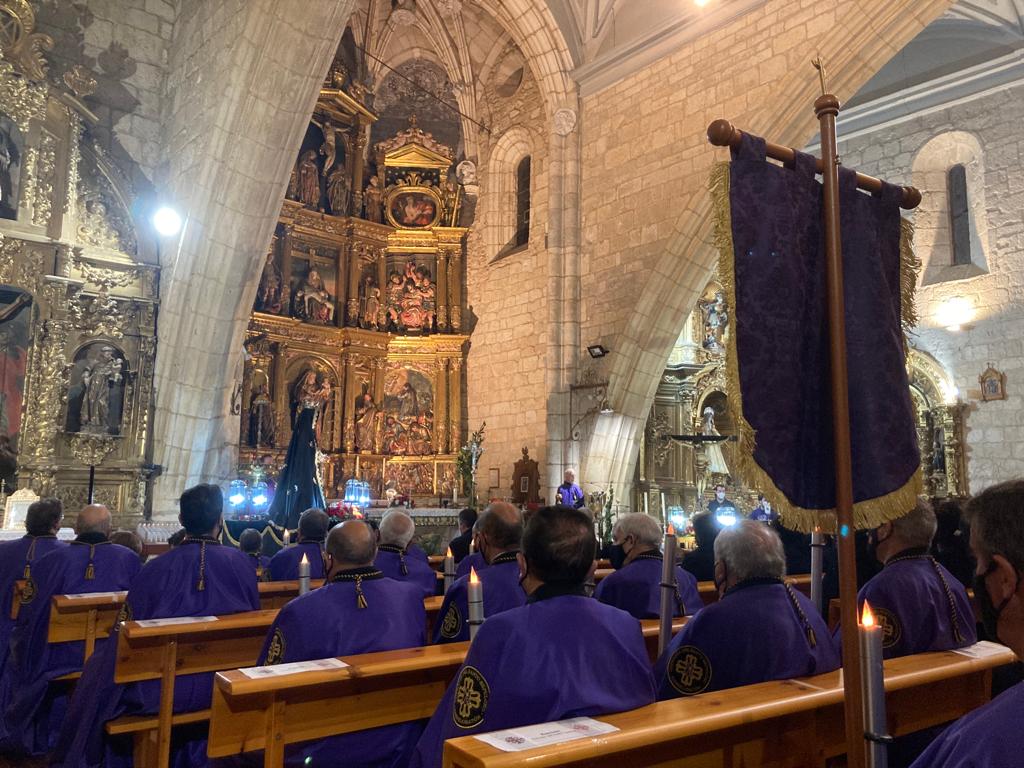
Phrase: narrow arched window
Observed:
(522, 236)
(959, 215)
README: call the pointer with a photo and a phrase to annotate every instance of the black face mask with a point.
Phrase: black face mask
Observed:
(617, 556)
(989, 611)
(873, 542)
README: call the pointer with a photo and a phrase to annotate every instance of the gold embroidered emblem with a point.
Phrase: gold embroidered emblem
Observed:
(276, 650)
(471, 696)
(892, 630)
(28, 591)
(689, 670)
(452, 623)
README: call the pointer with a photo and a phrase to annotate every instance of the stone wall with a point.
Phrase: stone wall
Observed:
(994, 332)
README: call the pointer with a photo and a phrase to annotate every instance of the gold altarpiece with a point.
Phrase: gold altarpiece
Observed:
(77, 299)
(367, 291)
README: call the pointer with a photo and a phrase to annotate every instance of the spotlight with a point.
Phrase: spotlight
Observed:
(726, 519)
(260, 496)
(954, 313)
(237, 493)
(167, 221)
(605, 408)
(597, 350)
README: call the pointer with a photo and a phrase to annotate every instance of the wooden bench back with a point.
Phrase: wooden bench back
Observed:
(780, 724)
(85, 618)
(276, 594)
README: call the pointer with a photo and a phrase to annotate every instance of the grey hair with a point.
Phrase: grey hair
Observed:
(642, 527)
(996, 516)
(917, 527)
(750, 550)
(397, 529)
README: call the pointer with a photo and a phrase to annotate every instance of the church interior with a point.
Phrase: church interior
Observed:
(465, 257)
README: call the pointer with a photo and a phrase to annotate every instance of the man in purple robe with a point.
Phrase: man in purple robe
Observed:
(197, 578)
(250, 542)
(919, 604)
(358, 610)
(32, 708)
(499, 533)
(991, 736)
(42, 521)
(284, 565)
(560, 655)
(569, 494)
(636, 584)
(760, 629)
(393, 560)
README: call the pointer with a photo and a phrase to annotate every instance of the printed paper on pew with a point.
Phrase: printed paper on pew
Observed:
(982, 650)
(277, 670)
(546, 734)
(175, 620)
(92, 595)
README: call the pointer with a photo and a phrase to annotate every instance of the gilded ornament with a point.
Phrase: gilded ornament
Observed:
(43, 179)
(92, 449)
(19, 42)
(81, 81)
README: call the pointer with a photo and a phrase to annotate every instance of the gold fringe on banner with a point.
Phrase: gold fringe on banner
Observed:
(866, 514)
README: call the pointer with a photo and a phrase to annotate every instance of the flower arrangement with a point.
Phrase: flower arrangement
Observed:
(466, 462)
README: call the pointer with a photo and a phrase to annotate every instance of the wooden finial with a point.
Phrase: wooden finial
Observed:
(822, 74)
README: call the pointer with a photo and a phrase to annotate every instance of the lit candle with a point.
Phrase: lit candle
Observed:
(303, 575)
(455, 499)
(817, 551)
(476, 603)
(287, 537)
(668, 589)
(645, 505)
(873, 686)
(449, 570)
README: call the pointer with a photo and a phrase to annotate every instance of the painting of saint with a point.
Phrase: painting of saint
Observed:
(411, 299)
(96, 395)
(15, 321)
(10, 167)
(408, 409)
(413, 210)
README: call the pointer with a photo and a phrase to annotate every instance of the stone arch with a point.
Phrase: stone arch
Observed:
(499, 228)
(932, 229)
(779, 107)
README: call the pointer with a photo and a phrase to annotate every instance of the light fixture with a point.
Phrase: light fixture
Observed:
(597, 350)
(605, 408)
(237, 493)
(260, 496)
(167, 221)
(954, 313)
(726, 519)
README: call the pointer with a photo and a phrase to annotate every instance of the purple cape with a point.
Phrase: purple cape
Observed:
(757, 632)
(989, 737)
(32, 708)
(916, 610)
(563, 656)
(501, 592)
(400, 566)
(260, 563)
(472, 560)
(165, 587)
(284, 566)
(636, 588)
(15, 557)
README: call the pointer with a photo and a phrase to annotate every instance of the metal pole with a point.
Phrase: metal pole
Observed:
(668, 590)
(92, 483)
(817, 557)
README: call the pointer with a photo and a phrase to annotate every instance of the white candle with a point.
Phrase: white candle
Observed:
(287, 537)
(476, 603)
(645, 505)
(454, 497)
(873, 685)
(303, 575)
(449, 570)
(668, 589)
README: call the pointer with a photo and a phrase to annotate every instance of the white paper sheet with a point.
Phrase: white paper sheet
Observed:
(546, 734)
(982, 649)
(175, 620)
(112, 595)
(278, 670)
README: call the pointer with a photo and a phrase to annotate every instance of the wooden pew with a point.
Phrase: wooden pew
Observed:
(781, 724)
(86, 617)
(275, 594)
(375, 689)
(433, 607)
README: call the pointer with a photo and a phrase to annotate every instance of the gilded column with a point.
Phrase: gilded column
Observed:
(442, 290)
(354, 265)
(358, 163)
(455, 290)
(378, 366)
(382, 276)
(281, 399)
(440, 436)
(454, 405)
(350, 403)
(341, 283)
(285, 260)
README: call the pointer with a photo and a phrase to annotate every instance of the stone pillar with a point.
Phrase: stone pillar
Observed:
(441, 283)
(354, 268)
(358, 164)
(440, 436)
(455, 405)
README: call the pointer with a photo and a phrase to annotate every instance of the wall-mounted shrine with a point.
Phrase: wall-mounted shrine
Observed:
(363, 286)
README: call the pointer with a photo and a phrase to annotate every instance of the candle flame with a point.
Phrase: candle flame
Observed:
(304, 561)
(867, 618)
(671, 530)
(473, 578)
(448, 553)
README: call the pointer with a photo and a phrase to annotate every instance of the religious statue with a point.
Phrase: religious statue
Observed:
(292, 192)
(329, 148)
(716, 457)
(261, 417)
(337, 190)
(365, 422)
(411, 299)
(419, 436)
(395, 439)
(371, 310)
(309, 180)
(10, 168)
(716, 320)
(372, 198)
(269, 294)
(313, 302)
(407, 399)
(98, 377)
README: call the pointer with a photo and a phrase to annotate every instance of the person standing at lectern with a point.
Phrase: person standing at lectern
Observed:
(569, 494)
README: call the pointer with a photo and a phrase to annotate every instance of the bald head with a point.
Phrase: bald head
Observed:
(353, 544)
(94, 518)
(498, 529)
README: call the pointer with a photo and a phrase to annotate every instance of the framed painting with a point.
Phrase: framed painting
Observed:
(993, 384)
(413, 207)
